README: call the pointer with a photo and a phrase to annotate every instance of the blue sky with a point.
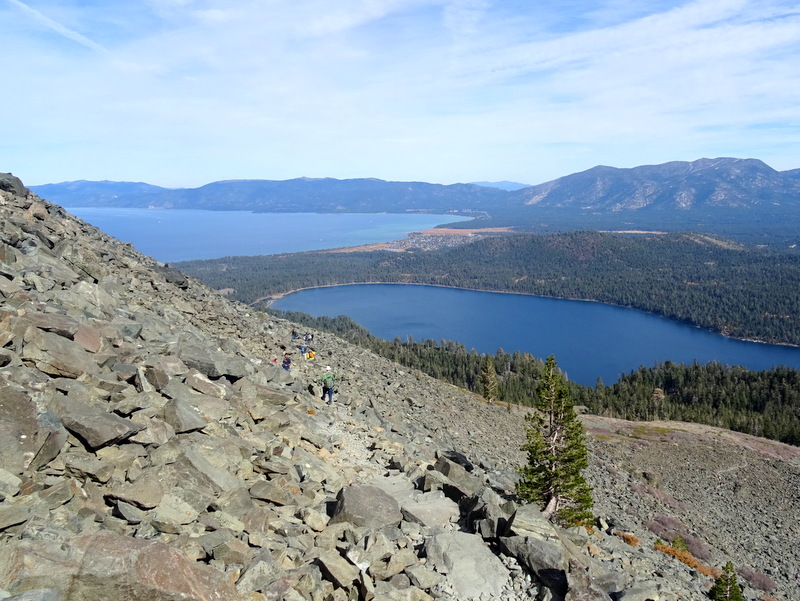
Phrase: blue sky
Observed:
(180, 93)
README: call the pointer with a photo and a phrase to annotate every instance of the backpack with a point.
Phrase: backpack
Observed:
(328, 379)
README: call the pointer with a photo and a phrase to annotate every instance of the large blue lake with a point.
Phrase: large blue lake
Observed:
(589, 340)
(183, 235)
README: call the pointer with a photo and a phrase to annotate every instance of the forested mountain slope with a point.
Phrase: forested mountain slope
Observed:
(740, 291)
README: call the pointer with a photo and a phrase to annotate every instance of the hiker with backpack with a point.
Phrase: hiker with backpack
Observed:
(328, 382)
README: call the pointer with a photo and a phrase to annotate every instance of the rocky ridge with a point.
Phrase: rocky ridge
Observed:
(151, 447)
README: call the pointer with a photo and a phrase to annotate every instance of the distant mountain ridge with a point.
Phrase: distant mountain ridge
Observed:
(744, 198)
(323, 195)
(701, 184)
(678, 185)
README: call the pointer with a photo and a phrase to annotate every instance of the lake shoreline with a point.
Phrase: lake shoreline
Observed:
(590, 339)
(269, 299)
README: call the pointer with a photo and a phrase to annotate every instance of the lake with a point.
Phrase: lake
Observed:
(182, 235)
(589, 340)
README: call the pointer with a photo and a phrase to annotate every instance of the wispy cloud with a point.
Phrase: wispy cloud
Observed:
(442, 90)
(57, 27)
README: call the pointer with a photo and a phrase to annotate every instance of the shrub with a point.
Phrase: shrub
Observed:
(665, 526)
(628, 538)
(673, 529)
(757, 580)
(678, 543)
(689, 560)
(696, 547)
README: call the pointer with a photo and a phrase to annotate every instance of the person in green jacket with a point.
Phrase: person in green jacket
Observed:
(328, 382)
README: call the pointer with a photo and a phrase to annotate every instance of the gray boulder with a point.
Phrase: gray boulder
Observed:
(94, 427)
(547, 559)
(471, 567)
(112, 568)
(367, 506)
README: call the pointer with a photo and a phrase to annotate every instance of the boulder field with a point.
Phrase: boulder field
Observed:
(152, 448)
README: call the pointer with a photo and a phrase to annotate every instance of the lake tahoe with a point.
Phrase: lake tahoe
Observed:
(589, 340)
(182, 235)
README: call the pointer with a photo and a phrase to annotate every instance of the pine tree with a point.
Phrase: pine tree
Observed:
(679, 544)
(557, 456)
(489, 380)
(726, 588)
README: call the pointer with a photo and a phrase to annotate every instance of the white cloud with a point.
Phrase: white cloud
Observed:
(182, 92)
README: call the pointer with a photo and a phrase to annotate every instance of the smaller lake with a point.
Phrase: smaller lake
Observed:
(182, 235)
(589, 340)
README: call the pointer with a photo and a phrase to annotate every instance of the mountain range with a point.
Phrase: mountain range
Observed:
(676, 186)
(729, 195)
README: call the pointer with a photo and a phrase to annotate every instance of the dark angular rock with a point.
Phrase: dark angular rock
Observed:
(18, 427)
(13, 184)
(56, 355)
(182, 416)
(94, 427)
(547, 559)
(367, 506)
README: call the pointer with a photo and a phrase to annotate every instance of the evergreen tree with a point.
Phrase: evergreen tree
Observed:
(679, 544)
(557, 456)
(489, 380)
(725, 587)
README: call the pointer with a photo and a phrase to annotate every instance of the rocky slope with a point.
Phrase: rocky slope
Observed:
(151, 448)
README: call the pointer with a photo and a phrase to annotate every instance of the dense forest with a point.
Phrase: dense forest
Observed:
(741, 291)
(765, 403)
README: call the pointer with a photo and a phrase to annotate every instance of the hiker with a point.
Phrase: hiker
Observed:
(295, 335)
(308, 337)
(287, 361)
(328, 382)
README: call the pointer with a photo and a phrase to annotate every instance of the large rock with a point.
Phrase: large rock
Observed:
(11, 183)
(488, 514)
(18, 427)
(367, 506)
(547, 559)
(182, 417)
(214, 363)
(431, 509)
(472, 568)
(96, 428)
(56, 355)
(112, 568)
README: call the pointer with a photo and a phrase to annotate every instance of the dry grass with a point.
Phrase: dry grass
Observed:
(690, 560)
(628, 538)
